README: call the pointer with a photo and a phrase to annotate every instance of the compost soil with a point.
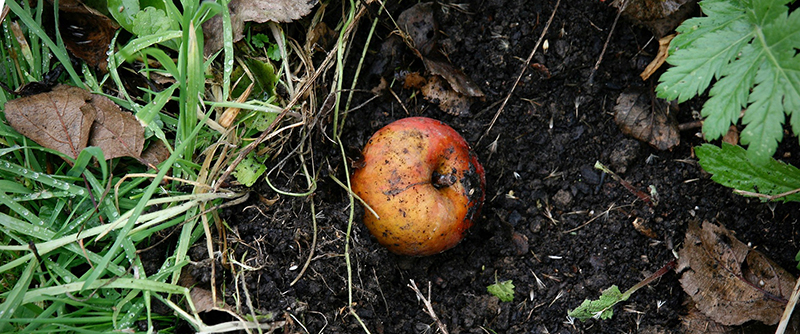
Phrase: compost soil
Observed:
(552, 224)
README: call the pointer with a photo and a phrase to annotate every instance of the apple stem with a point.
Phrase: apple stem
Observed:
(442, 180)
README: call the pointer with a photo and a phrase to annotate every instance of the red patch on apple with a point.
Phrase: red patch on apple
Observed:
(424, 183)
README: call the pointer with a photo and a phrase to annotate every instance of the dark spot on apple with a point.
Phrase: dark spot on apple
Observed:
(440, 181)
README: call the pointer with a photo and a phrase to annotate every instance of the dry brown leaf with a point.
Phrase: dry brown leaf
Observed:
(156, 153)
(732, 137)
(86, 32)
(414, 80)
(660, 16)
(437, 91)
(60, 119)
(695, 322)
(459, 81)
(661, 57)
(729, 282)
(420, 28)
(259, 11)
(116, 132)
(645, 119)
(202, 299)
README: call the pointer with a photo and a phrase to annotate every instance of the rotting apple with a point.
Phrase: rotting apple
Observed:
(424, 184)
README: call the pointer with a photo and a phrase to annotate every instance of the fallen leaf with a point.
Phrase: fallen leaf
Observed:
(420, 28)
(732, 137)
(67, 119)
(438, 92)
(729, 282)
(155, 153)
(446, 86)
(414, 80)
(86, 32)
(695, 322)
(202, 299)
(259, 11)
(116, 132)
(643, 118)
(60, 119)
(660, 16)
(661, 57)
(459, 81)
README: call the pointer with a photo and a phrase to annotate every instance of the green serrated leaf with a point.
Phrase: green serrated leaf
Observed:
(601, 308)
(749, 48)
(731, 167)
(503, 290)
(249, 170)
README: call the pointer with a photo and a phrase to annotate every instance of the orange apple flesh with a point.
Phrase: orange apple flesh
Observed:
(424, 183)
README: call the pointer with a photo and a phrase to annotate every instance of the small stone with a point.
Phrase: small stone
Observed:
(589, 175)
(562, 199)
(520, 243)
(625, 152)
(514, 218)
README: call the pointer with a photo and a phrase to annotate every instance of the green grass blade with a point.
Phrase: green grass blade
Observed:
(16, 296)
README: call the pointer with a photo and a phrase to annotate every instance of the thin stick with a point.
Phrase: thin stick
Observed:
(522, 72)
(765, 196)
(605, 46)
(787, 312)
(428, 306)
(645, 197)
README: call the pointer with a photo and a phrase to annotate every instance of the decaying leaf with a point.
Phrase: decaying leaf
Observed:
(420, 28)
(114, 131)
(661, 57)
(660, 16)
(155, 153)
(420, 33)
(729, 282)
(695, 322)
(643, 118)
(459, 81)
(60, 119)
(259, 11)
(67, 119)
(438, 91)
(86, 32)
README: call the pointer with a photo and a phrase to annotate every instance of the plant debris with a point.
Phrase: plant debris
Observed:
(640, 115)
(659, 16)
(454, 93)
(86, 32)
(730, 282)
(68, 119)
(258, 11)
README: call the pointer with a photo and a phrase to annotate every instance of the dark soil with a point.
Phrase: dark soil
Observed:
(537, 227)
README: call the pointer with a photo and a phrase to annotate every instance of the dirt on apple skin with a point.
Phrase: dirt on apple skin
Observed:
(542, 192)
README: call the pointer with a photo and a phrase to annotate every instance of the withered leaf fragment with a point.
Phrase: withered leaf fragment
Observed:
(640, 115)
(730, 282)
(60, 119)
(116, 132)
(86, 32)
(259, 11)
(420, 33)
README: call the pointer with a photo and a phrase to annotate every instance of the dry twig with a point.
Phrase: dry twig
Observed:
(428, 306)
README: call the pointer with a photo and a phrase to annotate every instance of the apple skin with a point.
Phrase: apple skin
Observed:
(424, 182)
